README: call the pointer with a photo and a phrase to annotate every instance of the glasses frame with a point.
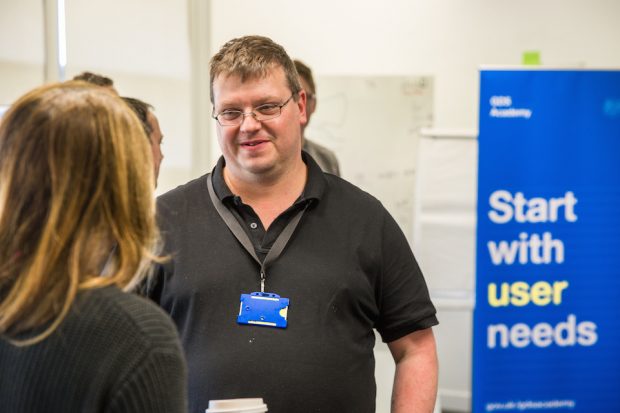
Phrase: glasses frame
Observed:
(257, 117)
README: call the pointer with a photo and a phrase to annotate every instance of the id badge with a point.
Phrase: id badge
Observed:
(263, 309)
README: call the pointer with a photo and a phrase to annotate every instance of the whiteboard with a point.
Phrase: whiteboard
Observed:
(373, 125)
(445, 219)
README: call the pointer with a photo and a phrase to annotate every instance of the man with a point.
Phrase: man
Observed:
(325, 157)
(279, 272)
(142, 109)
(151, 128)
(157, 138)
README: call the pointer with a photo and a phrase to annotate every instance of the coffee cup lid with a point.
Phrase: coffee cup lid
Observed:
(254, 405)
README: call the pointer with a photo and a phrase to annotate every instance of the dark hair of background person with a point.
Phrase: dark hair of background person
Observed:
(252, 57)
(75, 152)
(95, 79)
(141, 109)
(306, 73)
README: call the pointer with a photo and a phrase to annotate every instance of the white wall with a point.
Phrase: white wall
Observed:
(21, 47)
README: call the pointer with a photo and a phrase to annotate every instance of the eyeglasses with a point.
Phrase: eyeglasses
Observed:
(261, 113)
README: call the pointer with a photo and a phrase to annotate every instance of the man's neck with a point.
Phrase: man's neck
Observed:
(269, 196)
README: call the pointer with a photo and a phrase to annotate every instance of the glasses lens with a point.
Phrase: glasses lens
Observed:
(230, 117)
(265, 112)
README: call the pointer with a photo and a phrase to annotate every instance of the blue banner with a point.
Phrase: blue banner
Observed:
(547, 315)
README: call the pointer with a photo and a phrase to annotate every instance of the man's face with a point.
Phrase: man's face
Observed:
(156, 139)
(259, 149)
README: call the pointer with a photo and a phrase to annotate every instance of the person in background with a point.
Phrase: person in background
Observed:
(325, 157)
(73, 184)
(96, 79)
(151, 128)
(280, 273)
(141, 108)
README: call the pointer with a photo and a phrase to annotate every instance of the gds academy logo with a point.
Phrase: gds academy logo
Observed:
(501, 107)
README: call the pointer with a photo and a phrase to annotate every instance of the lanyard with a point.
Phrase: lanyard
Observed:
(234, 226)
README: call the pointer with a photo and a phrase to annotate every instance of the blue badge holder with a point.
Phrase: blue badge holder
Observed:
(263, 309)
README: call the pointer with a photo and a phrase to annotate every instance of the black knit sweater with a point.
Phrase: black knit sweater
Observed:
(114, 352)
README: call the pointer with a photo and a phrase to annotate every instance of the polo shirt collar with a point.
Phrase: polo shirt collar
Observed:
(219, 185)
(313, 191)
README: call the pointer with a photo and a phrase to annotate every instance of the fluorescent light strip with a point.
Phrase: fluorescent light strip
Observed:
(62, 39)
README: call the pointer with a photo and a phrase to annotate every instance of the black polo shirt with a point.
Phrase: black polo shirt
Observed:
(347, 269)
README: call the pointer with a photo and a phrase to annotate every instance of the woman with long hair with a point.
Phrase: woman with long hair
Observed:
(77, 228)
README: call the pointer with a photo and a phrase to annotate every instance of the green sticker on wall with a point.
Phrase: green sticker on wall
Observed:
(531, 58)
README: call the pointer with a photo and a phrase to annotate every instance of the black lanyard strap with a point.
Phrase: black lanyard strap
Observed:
(234, 226)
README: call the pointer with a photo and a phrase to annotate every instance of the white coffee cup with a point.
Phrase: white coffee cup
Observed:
(237, 406)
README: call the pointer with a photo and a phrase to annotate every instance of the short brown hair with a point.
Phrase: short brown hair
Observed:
(73, 184)
(252, 57)
(306, 74)
(95, 79)
(141, 109)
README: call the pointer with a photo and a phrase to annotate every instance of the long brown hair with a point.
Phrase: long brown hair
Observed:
(74, 187)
